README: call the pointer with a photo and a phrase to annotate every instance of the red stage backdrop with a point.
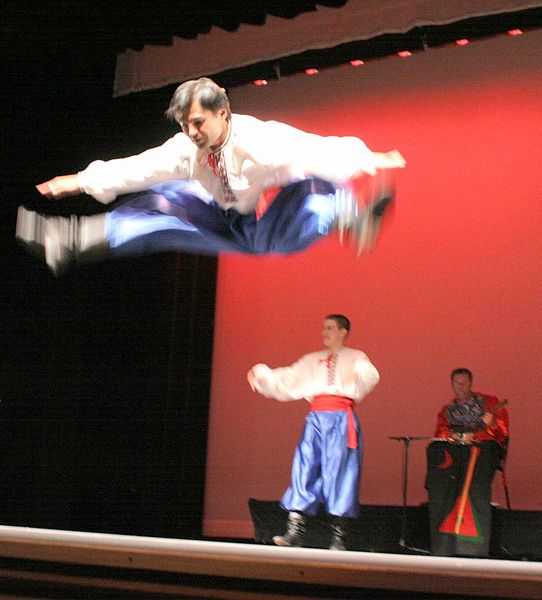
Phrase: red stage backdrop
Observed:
(454, 280)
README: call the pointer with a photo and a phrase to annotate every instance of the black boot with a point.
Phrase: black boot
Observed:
(362, 223)
(62, 241)
(339, 531)
(295, 532)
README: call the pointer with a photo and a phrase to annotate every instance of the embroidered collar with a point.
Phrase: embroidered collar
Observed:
(224, 143)
(202, 155)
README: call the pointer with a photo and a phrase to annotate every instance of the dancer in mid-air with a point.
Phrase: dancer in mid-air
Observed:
(227, 183)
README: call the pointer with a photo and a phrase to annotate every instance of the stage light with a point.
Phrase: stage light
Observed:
(462, 42)
(311, 71)
(515, 32)
(356, 63)
(404, 53)
(260, 82)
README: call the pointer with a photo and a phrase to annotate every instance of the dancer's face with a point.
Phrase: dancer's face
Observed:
(462, 386)
(207, 129)
(333, 337)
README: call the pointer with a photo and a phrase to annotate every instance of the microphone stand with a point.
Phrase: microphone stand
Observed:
(406, 439)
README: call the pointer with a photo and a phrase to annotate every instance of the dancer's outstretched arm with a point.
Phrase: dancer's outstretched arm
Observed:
(60, 186)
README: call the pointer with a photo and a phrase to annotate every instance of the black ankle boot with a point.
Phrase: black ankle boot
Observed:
(62, 241)
(295, 532)
(339, 531)
(361, 224)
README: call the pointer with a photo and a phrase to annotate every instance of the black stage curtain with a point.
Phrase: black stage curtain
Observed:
(105, 371)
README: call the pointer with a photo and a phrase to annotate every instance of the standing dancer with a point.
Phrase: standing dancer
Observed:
(327, 460)
(474, 431)
(227, 183)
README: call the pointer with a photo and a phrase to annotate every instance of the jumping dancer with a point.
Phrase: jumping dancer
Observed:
(227, 183)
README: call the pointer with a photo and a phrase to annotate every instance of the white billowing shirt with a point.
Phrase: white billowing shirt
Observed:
(353, 376)
(257, 156)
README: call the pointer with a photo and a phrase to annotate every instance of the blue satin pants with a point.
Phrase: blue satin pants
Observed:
(182, 216)
(324, 470)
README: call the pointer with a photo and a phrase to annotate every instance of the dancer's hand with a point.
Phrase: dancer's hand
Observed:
(251, 380)
(389, 160)
(59, 187)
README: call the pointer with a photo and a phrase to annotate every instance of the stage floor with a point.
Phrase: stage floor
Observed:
(146, 567)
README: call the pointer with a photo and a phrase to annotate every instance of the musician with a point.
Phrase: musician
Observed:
(472, 438)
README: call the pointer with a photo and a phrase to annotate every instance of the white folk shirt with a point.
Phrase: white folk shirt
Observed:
(258, 155)
(353, 376)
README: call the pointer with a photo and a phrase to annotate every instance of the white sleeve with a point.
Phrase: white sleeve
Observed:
(104, 180)
(331, 158)
(284, 384)
(366, 375)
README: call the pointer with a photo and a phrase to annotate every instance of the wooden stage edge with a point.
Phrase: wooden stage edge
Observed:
(252, 562)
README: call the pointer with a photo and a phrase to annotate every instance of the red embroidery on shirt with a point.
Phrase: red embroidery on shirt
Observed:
(212, 163)
(217, 163)
(331, 364)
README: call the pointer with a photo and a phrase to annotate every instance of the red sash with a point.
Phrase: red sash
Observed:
(265, 201)
(321, 403)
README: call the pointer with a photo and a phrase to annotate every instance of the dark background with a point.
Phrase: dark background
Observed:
(104, 371)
